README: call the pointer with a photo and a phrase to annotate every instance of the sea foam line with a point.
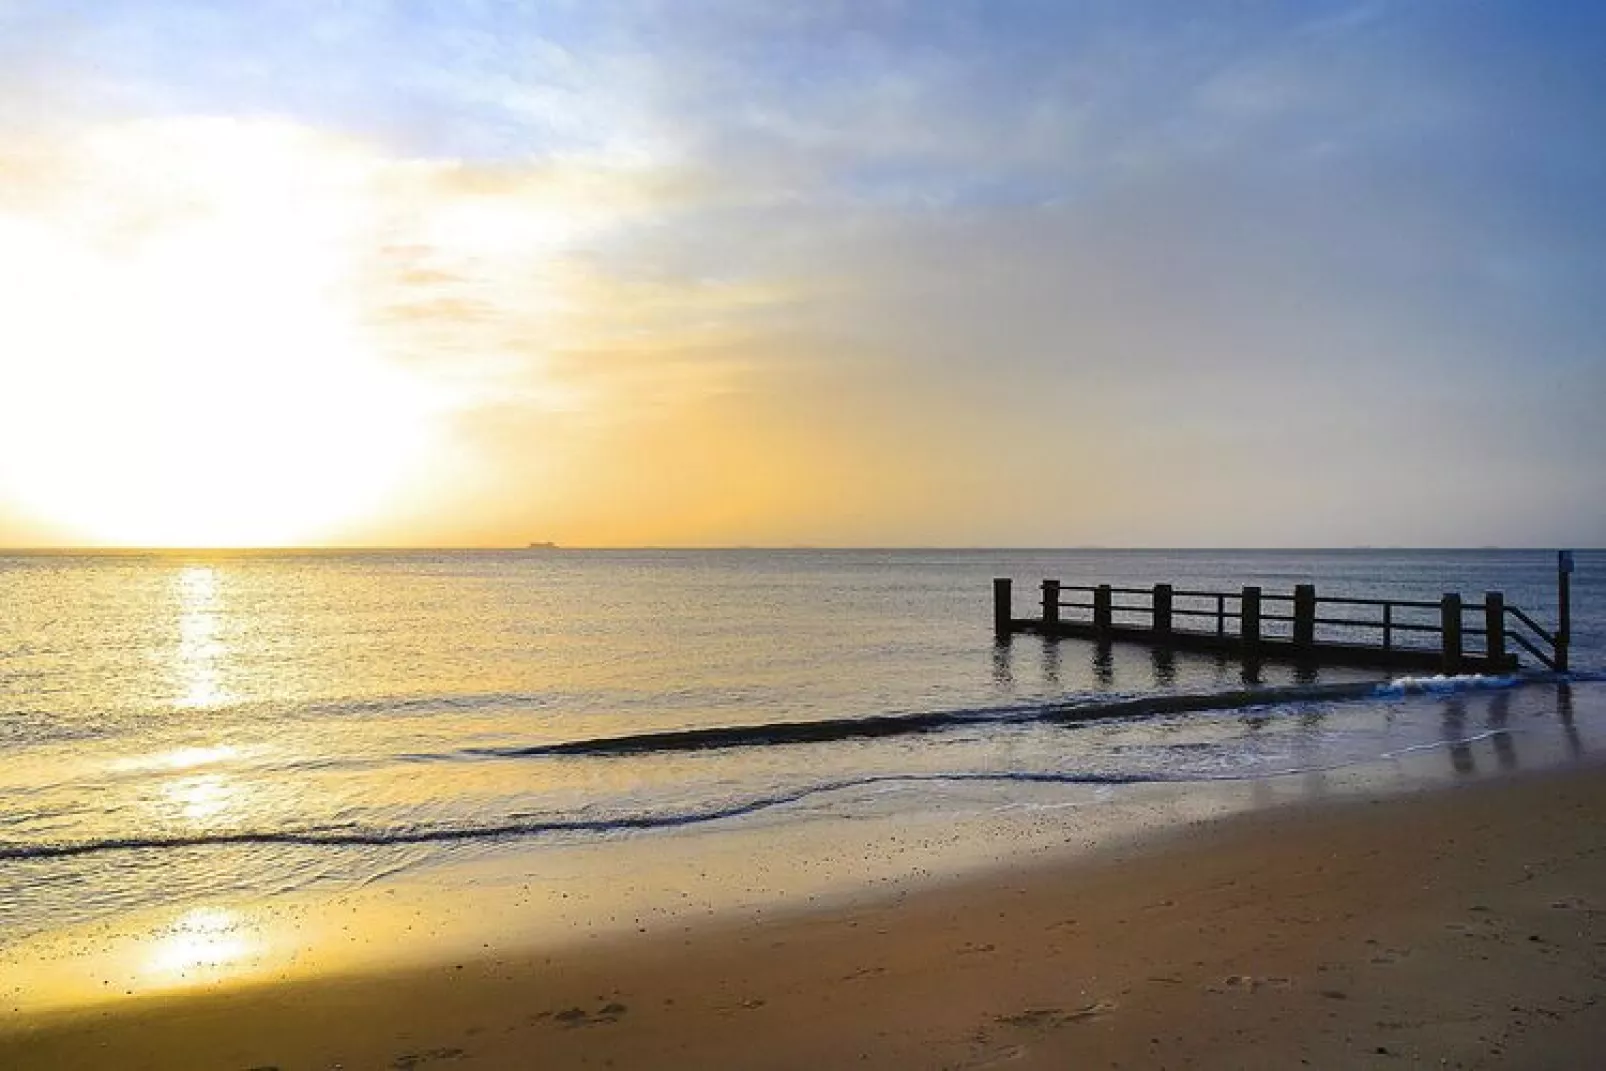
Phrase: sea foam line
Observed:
(358, 837)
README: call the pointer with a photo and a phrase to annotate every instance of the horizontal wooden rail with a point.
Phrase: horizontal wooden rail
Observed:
(1432, 630)
(1397, 626)
(1413, 604)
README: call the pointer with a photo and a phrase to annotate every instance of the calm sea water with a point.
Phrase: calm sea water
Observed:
(185, 725)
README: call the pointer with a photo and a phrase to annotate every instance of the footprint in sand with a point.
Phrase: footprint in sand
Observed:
(1249, 983)
(415, 1059)
(751, 1004)
(572, 1017)
(1050, 1018)
(864, 972)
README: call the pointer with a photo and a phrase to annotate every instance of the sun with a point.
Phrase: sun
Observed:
(185, 354)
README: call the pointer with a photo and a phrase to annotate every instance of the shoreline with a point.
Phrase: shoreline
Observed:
(1329, 932)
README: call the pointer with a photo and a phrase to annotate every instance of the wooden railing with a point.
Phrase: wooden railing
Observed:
(1302, 622)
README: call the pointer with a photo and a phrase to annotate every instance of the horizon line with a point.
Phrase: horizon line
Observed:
(716, 547)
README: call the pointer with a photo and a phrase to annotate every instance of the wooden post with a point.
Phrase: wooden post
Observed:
(1249, 609)
(1221, 615)
(1003, 607)
(1102, 612)
(1051, 603)
(1388, 626)
(1304, 616)
(1564, 607)
(1450, 624)
(1162, 610)
(1494, 629)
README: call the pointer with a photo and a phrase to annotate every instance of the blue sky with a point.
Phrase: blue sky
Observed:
(941, 272)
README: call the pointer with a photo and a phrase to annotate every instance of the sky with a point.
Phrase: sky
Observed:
(835, 272)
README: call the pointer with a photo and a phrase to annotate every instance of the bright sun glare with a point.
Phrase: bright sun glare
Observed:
(187, 362)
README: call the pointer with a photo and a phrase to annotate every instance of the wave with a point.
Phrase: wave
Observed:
(519, 828)
(1082, 709)
(359, 837)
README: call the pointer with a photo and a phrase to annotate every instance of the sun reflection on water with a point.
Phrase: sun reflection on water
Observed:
(201, 653)
(185, 758)
(180, 758)
(200, 796)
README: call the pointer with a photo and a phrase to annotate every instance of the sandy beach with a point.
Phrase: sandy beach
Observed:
(1464, 927)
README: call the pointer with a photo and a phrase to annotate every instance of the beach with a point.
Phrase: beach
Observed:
(1464, 927)
(403, 810)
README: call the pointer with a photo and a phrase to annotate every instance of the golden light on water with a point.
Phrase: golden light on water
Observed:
(201, 654)
(200, 797)
(182, 758)
(187, 757)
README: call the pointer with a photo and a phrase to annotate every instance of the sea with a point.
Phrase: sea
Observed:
(188, 728)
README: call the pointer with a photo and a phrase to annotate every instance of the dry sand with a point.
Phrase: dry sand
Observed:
(1462, 928)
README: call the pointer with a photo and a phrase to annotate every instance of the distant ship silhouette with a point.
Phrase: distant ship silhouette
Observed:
(544, 546)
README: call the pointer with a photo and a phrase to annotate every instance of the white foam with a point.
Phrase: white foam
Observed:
(1462, 682)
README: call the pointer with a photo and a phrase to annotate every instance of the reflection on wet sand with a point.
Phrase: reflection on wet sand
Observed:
(1455, 734)
(1564, 710)
(1505, 746)
(208, 940)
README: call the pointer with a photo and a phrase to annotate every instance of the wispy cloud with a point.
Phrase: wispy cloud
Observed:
(877, 271)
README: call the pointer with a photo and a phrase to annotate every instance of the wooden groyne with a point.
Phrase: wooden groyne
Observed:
(1451, 635)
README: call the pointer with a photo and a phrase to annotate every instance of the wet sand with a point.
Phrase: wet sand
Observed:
(1466, 926)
